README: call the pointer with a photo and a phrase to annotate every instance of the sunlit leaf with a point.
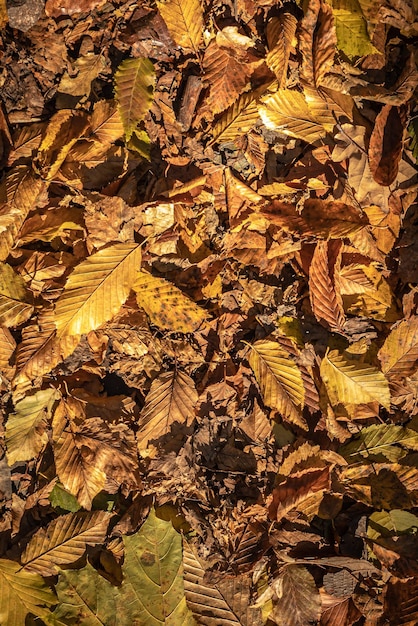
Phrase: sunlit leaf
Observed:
(378, 442)
(105, 122)
(15, 307)
(134, 85)
(64, 541)
(366, 292)
(167, 306)
(288, 112)
(399, 353)
(352, 36)
(352, 382)
(296, 491)
(279, 379)
(97, 288)
(325, 300)
(184, 20)
(280, 34)
(26, 428)
(21, 593)
(172, 398)
(237, 120)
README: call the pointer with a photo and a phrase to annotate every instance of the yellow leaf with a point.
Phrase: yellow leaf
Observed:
(366, 292)
(14, 306)
(64, 541)
(105, 122)
(352, 36)
(87, 68)
(26, 429)
(288, 112)
(134, 86)
(184, 19)
(167, 306)
(399, 353)
(351, 382)
(237, 120)
(279, 379)
(172, 398)
(96, 289)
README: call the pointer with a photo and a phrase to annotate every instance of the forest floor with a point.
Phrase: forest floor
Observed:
(208, 309)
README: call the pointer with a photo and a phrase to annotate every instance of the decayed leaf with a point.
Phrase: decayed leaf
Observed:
(280, 34)
(172, 398)
(167, 306)
(352, 382)
(325, 301)
(279, 379)
(296, 600)
(153, 564)
(366, 292)
(64, 541)
(399, 353)
(86, 68)
(15, 307)
(26, 428)
(21, 593)
(237, 120)
(97, 288)
(184, 21)
(352, 36)
(134, 85)
(378, 442)
(288, 112)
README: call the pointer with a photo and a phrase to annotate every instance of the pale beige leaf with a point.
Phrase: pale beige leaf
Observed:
(297, 601)
(184, 20)
(279, 379)
(399, 353)
(167, 306)
(134, 86)
(172, 398)
(15, 307)
(22, 593)
(325, 301)
(280, 35)
(352, 382)
(288, 112)
(64, 541)
(26, 428)
(96, 289)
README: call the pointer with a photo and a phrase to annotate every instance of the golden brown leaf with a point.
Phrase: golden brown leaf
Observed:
(15, 306)
(325, 301)
(280, 35)
(399, 353)
(184, 21)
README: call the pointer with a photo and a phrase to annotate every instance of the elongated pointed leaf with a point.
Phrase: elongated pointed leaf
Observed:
(26, 429)
(280, 33)
(172, 398)
(352, 36)
(326, 302)
(14, 298)
(154, 569)
(351, 382)
(167, 306)
(21, 593)
(379, 442)
(97, 288)
(134, 85)
(399, 353)
(64, 541)
(237, 120)
(184, 19)
(297, 601)
(288, 112)
(226, 77)
(279, 379)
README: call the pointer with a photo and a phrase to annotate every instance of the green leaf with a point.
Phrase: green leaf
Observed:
(153, 567)
(22, 593)
(134, 86)
(389, 523)
(26, 429)
(379, 442)
(352, 36)
(60, 498)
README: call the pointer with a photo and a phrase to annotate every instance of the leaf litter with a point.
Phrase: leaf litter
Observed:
(208, 309)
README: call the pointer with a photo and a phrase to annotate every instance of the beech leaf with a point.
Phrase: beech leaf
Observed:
(15, 307)
(184, 21)
(134, 85)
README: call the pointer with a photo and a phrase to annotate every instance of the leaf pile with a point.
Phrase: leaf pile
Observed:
(208, 309)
